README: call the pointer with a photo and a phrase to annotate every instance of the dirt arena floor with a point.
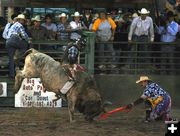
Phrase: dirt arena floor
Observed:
(55, 122)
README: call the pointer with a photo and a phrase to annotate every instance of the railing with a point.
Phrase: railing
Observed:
(124, 60)
(51, 48)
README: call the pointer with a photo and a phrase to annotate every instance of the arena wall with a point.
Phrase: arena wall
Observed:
(122, 89)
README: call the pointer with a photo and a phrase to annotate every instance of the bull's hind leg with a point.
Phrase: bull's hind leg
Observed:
(72, 98)
(71, 109)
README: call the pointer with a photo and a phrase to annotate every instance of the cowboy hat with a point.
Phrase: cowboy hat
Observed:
(144, 11)
(134, 15)
(36, 18)
(62, 15)
(21, 16)
(76, 14)
(143, 78)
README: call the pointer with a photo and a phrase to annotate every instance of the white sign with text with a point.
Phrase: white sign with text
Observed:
(31, 94)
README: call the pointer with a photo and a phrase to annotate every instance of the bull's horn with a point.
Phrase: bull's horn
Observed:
(104, 105)
(107, 103)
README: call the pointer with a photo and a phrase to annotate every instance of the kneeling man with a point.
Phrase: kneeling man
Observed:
(157, 100)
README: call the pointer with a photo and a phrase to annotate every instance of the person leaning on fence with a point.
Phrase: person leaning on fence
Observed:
(141, 30)
(50, 26)
(105, 29)
(157, 100)
(76, 26)
(168, 33)
(63, 27)
(17, 39)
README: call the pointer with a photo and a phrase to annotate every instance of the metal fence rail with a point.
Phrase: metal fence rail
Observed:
(124, 60)
(51, 48)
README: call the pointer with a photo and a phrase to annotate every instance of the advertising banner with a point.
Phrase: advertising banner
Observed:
(31, 94)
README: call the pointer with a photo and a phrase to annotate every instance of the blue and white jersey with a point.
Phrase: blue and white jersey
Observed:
(153, 91)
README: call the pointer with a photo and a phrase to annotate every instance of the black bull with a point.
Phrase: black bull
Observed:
(83, 96)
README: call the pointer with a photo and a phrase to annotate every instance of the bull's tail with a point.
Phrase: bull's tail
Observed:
(31, 50)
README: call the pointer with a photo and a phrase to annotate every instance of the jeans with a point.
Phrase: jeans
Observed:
(12, 44)
(167, 61)
(106, 52)
(143, 48)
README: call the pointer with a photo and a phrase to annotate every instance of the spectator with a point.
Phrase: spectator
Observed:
(168, 33)
(62, 28)
(17, 39)
(105, 30)
(38, 32)
(93, 20)
(8, 26)
(28, 26)
(169, 30)
(51, 27)
(141, 30)
(118, 18)
(87, 17)
(76, 26)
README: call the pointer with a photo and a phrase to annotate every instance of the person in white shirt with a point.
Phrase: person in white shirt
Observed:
(141, 26)
(141, 30)
(76, 25)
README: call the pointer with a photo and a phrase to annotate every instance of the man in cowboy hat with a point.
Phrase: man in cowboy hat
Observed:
(63, 27)
(157, 100)
(17, 39)
(37, 31)
(141, 30)
(76, 26)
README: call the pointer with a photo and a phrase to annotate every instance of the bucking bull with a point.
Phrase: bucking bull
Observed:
(83, 95)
